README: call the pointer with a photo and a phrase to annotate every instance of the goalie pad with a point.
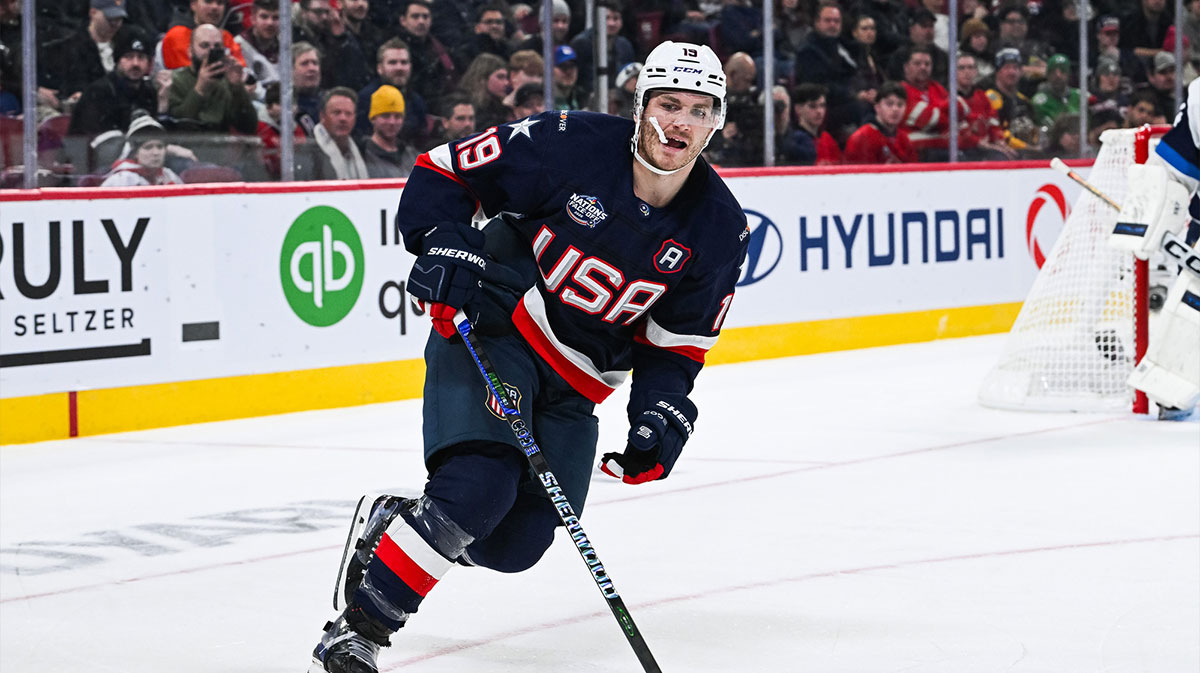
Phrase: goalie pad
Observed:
(1155, 204)
(1169, 373)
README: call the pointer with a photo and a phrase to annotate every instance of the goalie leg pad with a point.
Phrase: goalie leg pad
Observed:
(1154, 205)
(1169, 373)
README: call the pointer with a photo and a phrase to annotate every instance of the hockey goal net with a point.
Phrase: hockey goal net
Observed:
(1083, 327)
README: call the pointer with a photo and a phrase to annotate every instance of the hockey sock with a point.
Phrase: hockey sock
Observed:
(411, 558)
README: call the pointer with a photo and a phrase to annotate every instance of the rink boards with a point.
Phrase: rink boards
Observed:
(127, 309)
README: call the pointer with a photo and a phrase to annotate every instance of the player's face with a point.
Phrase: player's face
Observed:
(685, 118)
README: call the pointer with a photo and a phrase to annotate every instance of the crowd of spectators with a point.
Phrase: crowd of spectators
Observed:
(159, 91)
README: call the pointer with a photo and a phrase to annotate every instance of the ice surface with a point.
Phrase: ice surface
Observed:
(843, 512)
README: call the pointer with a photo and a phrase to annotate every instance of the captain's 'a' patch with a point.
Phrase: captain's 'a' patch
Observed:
(671, 257)
(493, 404)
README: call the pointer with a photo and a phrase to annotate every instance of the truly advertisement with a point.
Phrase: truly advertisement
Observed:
(112, 293)
(79, 287)
(833, 246)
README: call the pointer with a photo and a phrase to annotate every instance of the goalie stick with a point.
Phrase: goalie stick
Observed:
(565, 512)
(1183, 254)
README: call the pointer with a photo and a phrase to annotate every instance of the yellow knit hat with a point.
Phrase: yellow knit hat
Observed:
(386, 98)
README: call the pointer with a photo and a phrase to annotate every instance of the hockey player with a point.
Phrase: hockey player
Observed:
(1155, 216)
(616, 248)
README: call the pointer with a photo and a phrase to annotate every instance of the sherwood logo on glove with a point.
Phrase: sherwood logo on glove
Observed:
(460, 254)
(321, 266)
(678, 416)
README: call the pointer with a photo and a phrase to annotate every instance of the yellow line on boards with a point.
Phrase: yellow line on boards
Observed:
(45, 417)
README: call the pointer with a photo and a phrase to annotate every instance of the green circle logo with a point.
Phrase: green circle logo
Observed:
(321, 266)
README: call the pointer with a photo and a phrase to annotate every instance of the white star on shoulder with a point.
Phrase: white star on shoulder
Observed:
(521, 128)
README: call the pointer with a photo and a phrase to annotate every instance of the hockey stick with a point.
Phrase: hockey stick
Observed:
(1058, 165)
(565, 512)
(1183, 254)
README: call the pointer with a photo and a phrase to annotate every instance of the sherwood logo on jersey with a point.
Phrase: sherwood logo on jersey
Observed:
(321, 266)
(586, 210)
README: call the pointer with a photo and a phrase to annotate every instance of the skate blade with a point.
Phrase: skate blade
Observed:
(361, 512)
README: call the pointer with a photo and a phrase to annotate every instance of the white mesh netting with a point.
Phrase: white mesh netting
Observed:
(1071, 347)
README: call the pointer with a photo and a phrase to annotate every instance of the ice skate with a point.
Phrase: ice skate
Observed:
(350, 644)
(371, 518)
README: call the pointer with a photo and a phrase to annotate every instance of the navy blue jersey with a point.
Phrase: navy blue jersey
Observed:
(623, 285)
(1180, 147)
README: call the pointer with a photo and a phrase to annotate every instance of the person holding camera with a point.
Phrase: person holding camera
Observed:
(210, 93)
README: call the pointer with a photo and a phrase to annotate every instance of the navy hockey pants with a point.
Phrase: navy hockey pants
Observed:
(478, 474)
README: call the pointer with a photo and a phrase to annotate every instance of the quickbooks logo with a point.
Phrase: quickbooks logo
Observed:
(321, 266)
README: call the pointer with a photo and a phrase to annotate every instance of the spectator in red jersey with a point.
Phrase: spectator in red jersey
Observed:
(882, 141)
(809, 144)
(980, 134)
(176, 44)
(927, 115)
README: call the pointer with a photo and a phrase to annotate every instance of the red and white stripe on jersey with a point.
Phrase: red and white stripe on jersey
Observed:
(575, 367)
(440, 160)
(923, 116)
(687, 345)
(410, 557)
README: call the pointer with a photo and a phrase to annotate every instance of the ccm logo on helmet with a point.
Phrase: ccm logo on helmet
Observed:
(691, 71)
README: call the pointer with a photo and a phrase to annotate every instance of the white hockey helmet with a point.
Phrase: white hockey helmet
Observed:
(684, 67)
(680, 66)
